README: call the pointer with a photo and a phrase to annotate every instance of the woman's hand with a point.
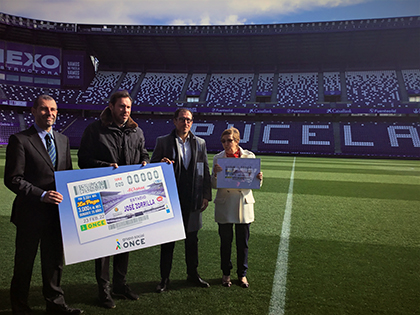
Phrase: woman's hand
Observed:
(216, 169)
(260, 175)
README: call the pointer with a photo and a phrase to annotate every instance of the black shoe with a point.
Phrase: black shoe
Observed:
(105, 299)
(62, 309)
(163, 285)
(196, 279)
(125, 293)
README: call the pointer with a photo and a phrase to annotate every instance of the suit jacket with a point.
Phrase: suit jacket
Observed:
(29, 172)
(233, 205)
(166, 146)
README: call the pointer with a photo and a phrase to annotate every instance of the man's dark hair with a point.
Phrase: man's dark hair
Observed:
(41, 98)
(119, 94)
(176, 114)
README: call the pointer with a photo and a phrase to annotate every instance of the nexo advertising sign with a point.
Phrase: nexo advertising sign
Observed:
(29, 59)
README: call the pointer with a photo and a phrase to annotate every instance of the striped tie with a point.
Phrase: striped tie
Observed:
(50, 148)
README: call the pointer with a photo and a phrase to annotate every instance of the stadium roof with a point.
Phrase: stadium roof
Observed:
(339, 45)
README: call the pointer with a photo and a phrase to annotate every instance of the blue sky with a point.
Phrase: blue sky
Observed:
(207, 12)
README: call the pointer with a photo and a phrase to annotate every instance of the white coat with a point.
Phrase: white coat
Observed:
(233, 205)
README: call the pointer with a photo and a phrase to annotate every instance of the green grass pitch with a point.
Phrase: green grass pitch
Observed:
(353, 248)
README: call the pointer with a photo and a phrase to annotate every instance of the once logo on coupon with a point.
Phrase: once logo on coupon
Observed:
(118, 245)
(92, 225)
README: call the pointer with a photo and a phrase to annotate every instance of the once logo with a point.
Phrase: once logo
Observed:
(134, 243)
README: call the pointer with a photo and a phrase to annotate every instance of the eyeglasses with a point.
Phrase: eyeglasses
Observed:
(186, 120)
(227, 140)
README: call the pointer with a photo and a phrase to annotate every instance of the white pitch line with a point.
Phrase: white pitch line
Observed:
(278, 293)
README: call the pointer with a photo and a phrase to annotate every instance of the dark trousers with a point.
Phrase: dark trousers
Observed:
(191, 255)
(191, 241)
(30, 235)
(120, 267)
(226, 237)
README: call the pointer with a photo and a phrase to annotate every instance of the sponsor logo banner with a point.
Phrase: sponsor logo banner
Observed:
(30, 59)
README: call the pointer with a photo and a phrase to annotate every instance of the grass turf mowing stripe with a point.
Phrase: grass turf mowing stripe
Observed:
(278, 295)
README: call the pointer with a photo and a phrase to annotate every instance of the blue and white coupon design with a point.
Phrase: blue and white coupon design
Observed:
(108, 205)
(106, 211)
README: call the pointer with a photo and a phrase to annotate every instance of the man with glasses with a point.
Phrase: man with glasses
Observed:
(188, 154)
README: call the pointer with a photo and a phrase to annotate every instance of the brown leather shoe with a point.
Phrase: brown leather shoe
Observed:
(244, 282)
(226, 281)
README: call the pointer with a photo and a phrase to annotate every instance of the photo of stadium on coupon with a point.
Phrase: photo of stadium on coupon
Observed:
(112, 204)
(239, 173)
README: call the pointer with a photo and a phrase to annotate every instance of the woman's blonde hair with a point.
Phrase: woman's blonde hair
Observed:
(232, 131)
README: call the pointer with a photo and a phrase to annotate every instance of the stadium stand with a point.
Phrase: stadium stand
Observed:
(298, 90)
(160, 89)
(229, 90)
(9, 124)
(197, 82)
(29, 93)
(289, 88)
(129, 81)
(100, 89)
(292, 137)
(265, 84)
(332, 82)
(76, 129)
(373, 88)
(412, 79)
(379, 139)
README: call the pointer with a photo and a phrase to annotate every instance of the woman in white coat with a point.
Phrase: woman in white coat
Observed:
(233, 207)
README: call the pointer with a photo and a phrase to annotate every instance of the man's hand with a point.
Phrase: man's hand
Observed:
(204, 205)
(53, 196)
(166, 160)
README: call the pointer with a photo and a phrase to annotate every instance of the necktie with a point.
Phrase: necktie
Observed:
(50, 148)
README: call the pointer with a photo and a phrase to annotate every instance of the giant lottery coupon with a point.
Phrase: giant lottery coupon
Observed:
(111, 204)
(106, 211)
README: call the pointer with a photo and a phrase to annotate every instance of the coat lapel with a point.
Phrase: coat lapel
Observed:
(39, 146)
(194, 151)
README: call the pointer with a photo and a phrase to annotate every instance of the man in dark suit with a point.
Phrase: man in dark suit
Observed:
(188, 153)
(32, 156)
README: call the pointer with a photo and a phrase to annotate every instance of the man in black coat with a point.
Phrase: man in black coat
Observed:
(29, 173)
(188, 153)
(113, 140)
